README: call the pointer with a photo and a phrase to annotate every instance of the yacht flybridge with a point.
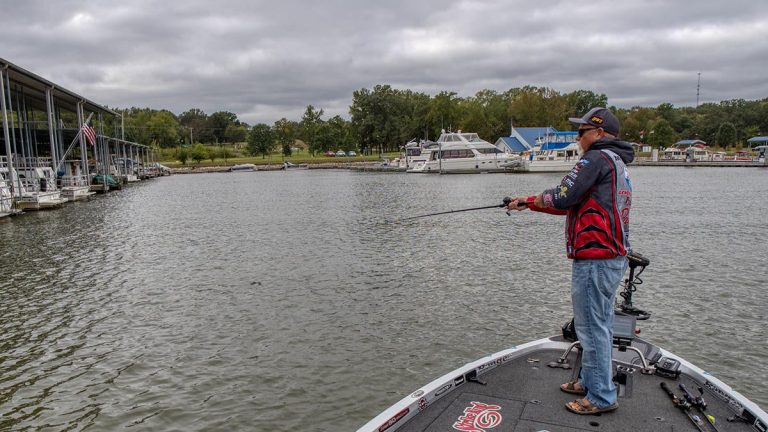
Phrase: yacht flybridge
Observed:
(459, 152)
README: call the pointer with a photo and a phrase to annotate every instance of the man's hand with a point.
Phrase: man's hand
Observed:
(518, 203)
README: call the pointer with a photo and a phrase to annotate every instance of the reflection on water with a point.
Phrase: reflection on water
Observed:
(281, 301)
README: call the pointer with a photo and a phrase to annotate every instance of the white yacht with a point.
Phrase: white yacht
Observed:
(34, 184)
(460, 152)
(556, 152)
(414, 152)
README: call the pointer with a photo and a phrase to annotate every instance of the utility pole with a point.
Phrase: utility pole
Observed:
(698, 87)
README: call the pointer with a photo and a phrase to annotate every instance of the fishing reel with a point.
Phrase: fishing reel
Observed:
(636, 261)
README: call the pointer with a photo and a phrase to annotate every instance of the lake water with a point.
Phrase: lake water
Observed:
(281, 301)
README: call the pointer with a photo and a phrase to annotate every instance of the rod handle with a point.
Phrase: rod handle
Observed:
(666, 388)
(508, 200)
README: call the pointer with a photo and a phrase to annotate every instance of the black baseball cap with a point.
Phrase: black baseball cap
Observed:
(599, 117)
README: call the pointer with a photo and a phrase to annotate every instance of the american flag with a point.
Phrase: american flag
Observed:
(89, 133)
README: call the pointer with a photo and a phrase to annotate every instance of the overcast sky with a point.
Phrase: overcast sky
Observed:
(264, 60)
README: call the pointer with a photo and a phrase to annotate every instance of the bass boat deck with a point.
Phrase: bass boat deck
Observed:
(518, 390)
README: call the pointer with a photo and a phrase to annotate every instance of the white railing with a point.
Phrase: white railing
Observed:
(22, 163)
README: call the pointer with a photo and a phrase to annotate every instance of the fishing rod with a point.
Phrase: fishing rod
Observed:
(505, 203)
(699, 403)
(685, 407)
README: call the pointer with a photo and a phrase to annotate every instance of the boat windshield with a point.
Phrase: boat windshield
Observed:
(453, 154)
(413, 151)
(489, 150)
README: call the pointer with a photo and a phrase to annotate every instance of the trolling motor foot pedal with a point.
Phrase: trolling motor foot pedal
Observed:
(562, 362)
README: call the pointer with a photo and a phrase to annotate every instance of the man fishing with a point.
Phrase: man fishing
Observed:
(596, 196)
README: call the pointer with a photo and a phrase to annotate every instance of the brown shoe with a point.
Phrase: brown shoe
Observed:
(585, 407)
(573, 387)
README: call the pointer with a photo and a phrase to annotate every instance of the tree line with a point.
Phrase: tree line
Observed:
(383, 118)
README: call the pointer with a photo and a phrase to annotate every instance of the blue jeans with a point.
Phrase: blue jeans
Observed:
(593, 292)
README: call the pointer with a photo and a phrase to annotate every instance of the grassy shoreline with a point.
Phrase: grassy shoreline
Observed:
(277, 159)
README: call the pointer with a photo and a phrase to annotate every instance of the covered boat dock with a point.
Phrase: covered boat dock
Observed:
(59, 146)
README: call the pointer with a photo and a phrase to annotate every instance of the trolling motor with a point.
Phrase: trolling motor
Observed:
(636, 260)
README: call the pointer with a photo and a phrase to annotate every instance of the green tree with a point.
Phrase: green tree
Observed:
(444, 111)
(751, 131)
(193, 125)
(581, 101)
(339, 132)
(285, 134)
(136, 121)
(662, 134)
(308, 127)
(385, 118)
(236, 133)
(726, 135)
(198, 153)
(636, 123)
(540, 106)
(163, 129)
(412, 109)
(261, 140)
(183, 156)
(218, 122)
(486, 113)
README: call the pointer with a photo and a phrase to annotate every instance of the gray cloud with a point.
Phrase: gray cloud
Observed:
(266, 60)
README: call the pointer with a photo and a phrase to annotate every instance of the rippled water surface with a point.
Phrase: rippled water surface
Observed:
(281, 301)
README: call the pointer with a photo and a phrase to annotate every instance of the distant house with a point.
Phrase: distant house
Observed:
(691, 142)
(524, 139)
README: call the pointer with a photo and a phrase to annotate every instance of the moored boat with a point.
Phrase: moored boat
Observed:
(459, 152)
(243, 167)
(103, 183)
(292, 166)
(33, 183)
(74, 182)
(555, 152)
(518, 389)
(6, 198)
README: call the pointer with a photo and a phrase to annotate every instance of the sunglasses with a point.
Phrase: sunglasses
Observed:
(585, 130)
